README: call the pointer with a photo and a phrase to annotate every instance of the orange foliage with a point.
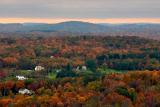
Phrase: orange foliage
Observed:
(10, 60)
(5, 102)
(20, 84)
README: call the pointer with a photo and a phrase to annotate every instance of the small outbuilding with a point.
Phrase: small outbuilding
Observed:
(21, 77)
(25, 91)
(84, 68)
(39, 68)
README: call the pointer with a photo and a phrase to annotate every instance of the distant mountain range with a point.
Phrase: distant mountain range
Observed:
(80, 27)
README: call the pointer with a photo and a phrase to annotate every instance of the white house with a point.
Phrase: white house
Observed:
(21, 77)
(51, 56)
(24, 91)
(58, 70)
(84, 68)
(39, 68)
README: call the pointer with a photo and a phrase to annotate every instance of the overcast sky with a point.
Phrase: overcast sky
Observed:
(80, 8)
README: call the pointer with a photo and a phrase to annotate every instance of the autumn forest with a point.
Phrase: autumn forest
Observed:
(79, 71)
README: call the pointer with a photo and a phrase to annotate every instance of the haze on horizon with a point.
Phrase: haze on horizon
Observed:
(96, 11)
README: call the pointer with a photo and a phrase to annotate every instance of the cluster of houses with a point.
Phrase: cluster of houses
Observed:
(79, 68)
(26, 91)
(40, 68)
(23, 91)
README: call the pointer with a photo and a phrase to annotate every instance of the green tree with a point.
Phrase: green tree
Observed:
(91, 64)
(25, 63)
(38, 51)
(68, 67)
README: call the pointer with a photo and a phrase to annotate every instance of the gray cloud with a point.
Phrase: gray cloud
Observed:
(80, 8)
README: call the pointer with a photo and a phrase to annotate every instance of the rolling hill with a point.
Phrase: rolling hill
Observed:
(84, 27)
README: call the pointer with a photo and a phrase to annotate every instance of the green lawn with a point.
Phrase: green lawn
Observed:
(108, 70)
